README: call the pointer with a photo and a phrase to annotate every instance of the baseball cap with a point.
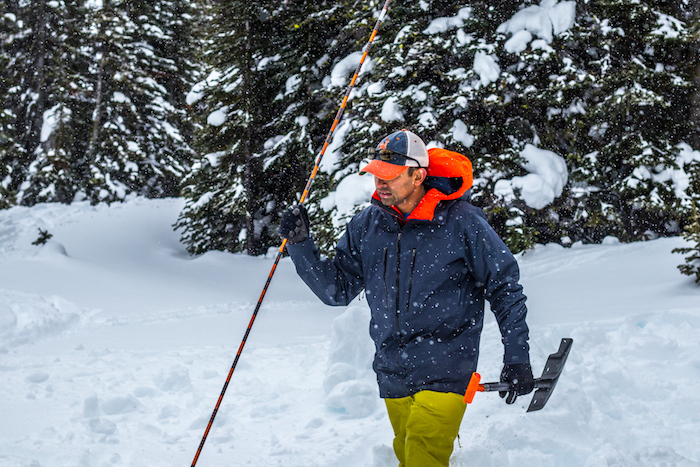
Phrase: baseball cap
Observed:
(396, 153)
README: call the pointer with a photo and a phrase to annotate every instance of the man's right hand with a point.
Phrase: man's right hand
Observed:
(519, 375)
(294, 224)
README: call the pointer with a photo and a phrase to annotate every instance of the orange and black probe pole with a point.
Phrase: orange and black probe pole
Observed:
(329, 138)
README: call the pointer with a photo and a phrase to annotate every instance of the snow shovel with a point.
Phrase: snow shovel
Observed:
(544, 384)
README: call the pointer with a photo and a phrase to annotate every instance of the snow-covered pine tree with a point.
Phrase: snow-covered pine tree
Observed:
(8, 147)
(134, 145)
(173, 29)
(85, 128)
(227, 207)
(264, 113)
(692, 235)
(170, 30)
(45, 61)
(610, 93)
(632, 69)
(18, 97)
(690, 12)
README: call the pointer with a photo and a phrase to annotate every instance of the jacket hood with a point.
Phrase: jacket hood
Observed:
(449, 177)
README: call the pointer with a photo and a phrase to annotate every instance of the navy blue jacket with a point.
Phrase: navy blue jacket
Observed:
(425, 279)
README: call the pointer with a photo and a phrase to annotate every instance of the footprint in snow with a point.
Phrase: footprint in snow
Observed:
(37, 377)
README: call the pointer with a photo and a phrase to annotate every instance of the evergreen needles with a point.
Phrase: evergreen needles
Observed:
(692, 235)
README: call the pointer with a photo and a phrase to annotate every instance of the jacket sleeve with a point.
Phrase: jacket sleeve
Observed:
(493, 265)
(336, 282)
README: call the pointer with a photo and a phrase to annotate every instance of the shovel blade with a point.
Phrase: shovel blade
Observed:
(550, 375)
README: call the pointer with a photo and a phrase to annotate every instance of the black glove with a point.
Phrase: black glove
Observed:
(519, 375)
(294, 224)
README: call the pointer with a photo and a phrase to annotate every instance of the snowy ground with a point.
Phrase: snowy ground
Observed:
(115, 344)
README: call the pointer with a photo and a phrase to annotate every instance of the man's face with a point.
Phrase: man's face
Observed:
(404, 191)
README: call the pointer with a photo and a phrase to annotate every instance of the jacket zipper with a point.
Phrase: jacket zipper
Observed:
(396, 304)
(398, 277)
(410, 288)
(386, 287)
(410, 279)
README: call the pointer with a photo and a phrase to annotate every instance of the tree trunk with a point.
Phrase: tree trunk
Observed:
(97, 112)
(695, 100)
(38, 82)
(249, 174)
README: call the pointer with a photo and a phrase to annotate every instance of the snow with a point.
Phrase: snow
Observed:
(486, 67)
(218, 117)
(351, 192)
(267, 60)
(545, 21)
(48, 125)
(292, 84)
(460, 133)
(333, 154)
(439, 25)
(669, 27)
(120, 97)
(391, 110)
(115, 344)
(198, 90)
(680, 178)
(416, 92)
(346, 68)
(518, 42)
(544, 183)
(51, 119)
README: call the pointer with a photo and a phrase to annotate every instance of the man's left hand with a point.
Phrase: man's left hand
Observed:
(294, 224)
(519, 375)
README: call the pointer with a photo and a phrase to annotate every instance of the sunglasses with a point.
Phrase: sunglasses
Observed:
(390, 156)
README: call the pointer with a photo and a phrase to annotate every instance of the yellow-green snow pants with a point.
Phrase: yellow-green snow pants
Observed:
(425, 427)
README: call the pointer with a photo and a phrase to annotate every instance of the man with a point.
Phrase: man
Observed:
(427, 259)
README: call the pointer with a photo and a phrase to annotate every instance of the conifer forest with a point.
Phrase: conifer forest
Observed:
(227, 104)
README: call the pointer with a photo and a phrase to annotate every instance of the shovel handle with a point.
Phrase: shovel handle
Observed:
(544, 385)
(476, 386)
(473, 387)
